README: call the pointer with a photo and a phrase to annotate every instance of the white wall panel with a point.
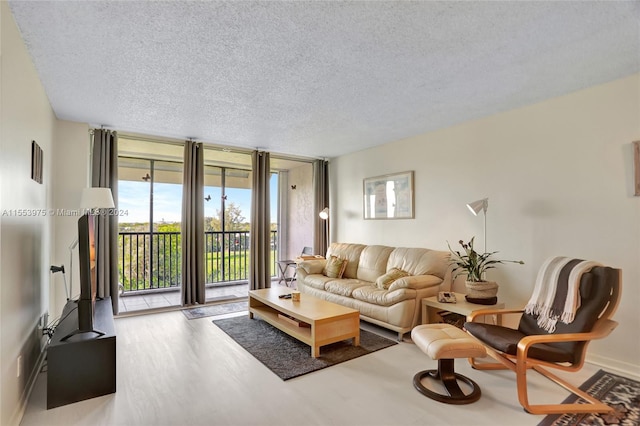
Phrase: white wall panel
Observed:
(559, 178)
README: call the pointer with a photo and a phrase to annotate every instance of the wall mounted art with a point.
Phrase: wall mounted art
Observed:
(36, 162)
(389, 196)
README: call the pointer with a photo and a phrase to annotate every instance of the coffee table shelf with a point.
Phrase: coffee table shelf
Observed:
(270, 315)
(328, 322)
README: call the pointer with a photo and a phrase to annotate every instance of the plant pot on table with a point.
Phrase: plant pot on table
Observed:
(482, 292)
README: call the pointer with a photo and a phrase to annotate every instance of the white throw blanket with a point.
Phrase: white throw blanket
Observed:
(555, 298)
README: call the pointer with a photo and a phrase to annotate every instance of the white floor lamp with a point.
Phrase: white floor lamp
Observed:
(477, 207)
(324, 215)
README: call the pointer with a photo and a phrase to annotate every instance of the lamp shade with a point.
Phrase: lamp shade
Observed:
(324, 214)
(479, 206)
(96, 198)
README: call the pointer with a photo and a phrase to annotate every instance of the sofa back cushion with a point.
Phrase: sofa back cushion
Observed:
(419, 261)
(373, 262)
(348, 251)
(384, 281)
(335, 266)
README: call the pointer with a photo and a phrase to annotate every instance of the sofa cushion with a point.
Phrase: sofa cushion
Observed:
(419, 261)
(345, 287)
(317, 281)
(384, 281)
(315, 266)
(373, 262)
(416, 282)
(373, 294)
(334, 268)
(348, 251)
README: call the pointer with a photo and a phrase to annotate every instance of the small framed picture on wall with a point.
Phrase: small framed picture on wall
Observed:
(36, 162)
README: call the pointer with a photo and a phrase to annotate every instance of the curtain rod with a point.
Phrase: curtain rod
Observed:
(224, 148)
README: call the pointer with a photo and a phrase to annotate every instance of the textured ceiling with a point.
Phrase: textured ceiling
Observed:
(317, 78)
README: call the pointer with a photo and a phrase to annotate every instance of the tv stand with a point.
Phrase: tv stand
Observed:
(98, 333)
(84, 366)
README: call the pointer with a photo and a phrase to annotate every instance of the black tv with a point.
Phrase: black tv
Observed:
(88, 278)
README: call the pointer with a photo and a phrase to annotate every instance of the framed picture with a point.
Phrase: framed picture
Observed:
(36, 162)
(389, 196)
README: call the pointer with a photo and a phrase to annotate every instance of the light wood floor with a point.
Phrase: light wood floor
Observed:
(174, 371)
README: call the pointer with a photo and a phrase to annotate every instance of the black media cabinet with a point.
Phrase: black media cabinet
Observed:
(83, 366)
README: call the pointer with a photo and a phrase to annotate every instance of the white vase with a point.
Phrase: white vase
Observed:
(481, 289)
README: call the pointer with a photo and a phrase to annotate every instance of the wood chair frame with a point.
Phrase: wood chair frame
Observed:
(521, 362)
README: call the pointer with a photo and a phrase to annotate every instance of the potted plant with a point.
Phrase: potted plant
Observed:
(474, 265)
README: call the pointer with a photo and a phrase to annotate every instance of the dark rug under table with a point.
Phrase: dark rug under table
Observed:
(288, 357)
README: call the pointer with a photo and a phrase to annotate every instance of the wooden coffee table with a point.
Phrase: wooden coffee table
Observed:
(327, 322)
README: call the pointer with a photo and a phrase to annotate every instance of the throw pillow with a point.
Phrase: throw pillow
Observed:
(387, 279)
(335, 267)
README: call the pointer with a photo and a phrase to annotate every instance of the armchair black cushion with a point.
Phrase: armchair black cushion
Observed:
(506, 340)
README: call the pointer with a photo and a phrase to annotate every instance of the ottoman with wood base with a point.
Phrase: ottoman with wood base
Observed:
(445, 342)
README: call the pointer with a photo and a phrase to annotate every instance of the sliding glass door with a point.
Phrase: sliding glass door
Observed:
(227, 211)
(149, 242)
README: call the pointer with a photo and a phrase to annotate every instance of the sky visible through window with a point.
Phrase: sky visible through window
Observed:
(133, 198)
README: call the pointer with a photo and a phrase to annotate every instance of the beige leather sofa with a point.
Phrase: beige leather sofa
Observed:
(397, 307)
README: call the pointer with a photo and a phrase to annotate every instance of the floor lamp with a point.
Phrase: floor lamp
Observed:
(324, 215)
(477, 207)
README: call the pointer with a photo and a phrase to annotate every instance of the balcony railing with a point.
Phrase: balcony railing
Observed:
(149, 261)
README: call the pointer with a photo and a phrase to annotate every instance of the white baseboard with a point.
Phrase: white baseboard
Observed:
(626, 369)
(17, 415)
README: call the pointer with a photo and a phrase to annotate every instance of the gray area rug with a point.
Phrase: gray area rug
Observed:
(618, 392)
(211, 310)
(286, 356)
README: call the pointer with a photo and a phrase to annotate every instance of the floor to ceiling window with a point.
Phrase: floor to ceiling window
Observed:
(227, 209)
(150, 189)
(149, 243)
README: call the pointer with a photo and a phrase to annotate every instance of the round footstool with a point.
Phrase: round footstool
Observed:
(445, 342)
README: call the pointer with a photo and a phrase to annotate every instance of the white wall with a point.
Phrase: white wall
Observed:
(25, 240)
(300, 210)
(559, 177)
(30, 245)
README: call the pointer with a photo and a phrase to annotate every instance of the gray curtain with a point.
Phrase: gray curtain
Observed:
(104, 174)
(321, 195)
(260, 234)
(193, 280)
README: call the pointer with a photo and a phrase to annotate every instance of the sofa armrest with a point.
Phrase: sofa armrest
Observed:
(315, 266)
(416, 282)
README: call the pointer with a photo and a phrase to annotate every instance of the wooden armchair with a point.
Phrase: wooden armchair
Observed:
(530, 347)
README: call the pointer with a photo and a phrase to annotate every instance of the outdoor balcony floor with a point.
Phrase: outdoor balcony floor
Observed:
(171, 298)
